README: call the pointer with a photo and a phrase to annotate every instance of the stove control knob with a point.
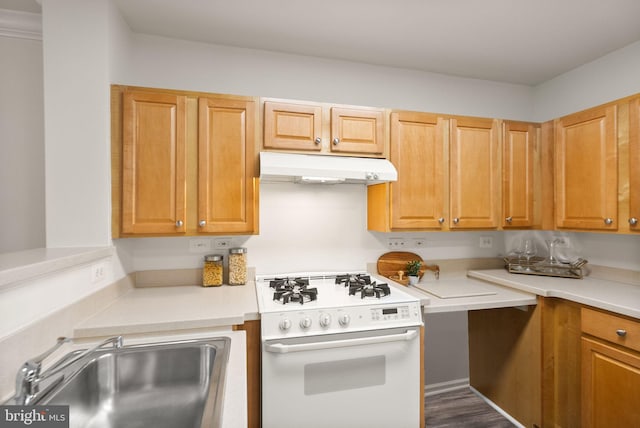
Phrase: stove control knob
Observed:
(305, 323)
(325, 320)
(344, 320)
(285, 324)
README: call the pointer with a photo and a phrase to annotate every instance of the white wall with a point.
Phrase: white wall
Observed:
(22, 145)
(78, 39)
(169, 63)
(606, 79)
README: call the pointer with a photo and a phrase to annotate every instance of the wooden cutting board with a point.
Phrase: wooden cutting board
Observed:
(390, 263)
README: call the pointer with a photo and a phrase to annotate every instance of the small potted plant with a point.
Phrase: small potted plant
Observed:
(413, 271)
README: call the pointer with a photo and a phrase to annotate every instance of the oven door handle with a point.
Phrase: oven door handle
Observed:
(281, 348)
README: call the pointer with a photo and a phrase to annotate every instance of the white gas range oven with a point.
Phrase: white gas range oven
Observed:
(340, 350)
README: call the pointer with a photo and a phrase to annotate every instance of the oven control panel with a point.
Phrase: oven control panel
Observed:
(390, 313)
(339, 320)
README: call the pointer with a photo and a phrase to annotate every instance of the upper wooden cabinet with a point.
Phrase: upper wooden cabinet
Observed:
(449, 174)
(474, 173)
(416, 201)
(325, 129)
(518, 174)
(633, 165)
(227, 191)
(292, 126)
(357, 131)
(183, 163)
(153, 163)
(586, 164)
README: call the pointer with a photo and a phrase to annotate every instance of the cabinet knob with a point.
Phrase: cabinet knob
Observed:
(608, 221)
(633, 221)
(336, 141)
(441, 220)
(509, 219)
(318, 140)
(202, 223)
(620, 332)
(179, 223)
(456, 220)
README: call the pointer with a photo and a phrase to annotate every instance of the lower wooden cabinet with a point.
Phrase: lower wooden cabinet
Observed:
(558, 364)
(561, 374)
(254, 370)
(611, 386)
(504, 360)
(610, 370)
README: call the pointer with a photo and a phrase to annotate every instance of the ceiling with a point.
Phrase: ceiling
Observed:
(517, 41)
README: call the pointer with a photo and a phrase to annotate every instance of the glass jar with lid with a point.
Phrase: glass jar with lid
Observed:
(212, 270)
(237, 266)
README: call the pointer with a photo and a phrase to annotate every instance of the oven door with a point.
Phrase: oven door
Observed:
(364, 379)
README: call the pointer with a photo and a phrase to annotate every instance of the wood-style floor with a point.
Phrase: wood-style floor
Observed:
(461, 409)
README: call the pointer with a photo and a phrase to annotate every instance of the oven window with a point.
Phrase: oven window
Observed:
(342, 375)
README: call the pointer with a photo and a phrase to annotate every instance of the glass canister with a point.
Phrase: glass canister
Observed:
(212, 270)
(237, 266)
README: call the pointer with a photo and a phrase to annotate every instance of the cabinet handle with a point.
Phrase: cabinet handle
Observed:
(441, 220)
(509, 219)
(318, 140)
(608, 221)
(633, 221)
(179, 223)
(202, 223)
(620, 332)
(336, 141)
(456, 220)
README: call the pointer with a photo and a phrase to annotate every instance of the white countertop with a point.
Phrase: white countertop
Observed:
(618, 297)
(470, 294)
(158, 309)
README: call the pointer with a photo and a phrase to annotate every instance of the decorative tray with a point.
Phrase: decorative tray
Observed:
(541, 266)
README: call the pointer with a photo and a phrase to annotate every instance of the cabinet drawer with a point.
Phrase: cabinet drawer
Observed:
(612, 328)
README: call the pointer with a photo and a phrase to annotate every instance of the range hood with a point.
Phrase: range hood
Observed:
(302, 168)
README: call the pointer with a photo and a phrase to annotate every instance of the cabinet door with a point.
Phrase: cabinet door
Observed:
(610, 386)
(227, 190)
(518, 153)
(634, 166)
(153, 178)
(586, 170)
(357, 131)
(417, 153)
(292, 126)
(475, 173)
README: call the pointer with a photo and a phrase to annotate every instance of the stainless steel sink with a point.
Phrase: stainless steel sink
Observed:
(177, 384)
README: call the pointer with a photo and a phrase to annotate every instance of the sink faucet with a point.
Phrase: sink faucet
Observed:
(29, 376)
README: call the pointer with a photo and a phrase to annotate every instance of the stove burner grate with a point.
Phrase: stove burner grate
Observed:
(350, 279)
(289, 290)
(370, 290)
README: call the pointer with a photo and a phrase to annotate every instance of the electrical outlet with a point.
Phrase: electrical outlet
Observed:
(396, 243)
(199, 245)
(222, 243)
(486, 242)
(419, 242)
(98, 272)
(562, 241)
